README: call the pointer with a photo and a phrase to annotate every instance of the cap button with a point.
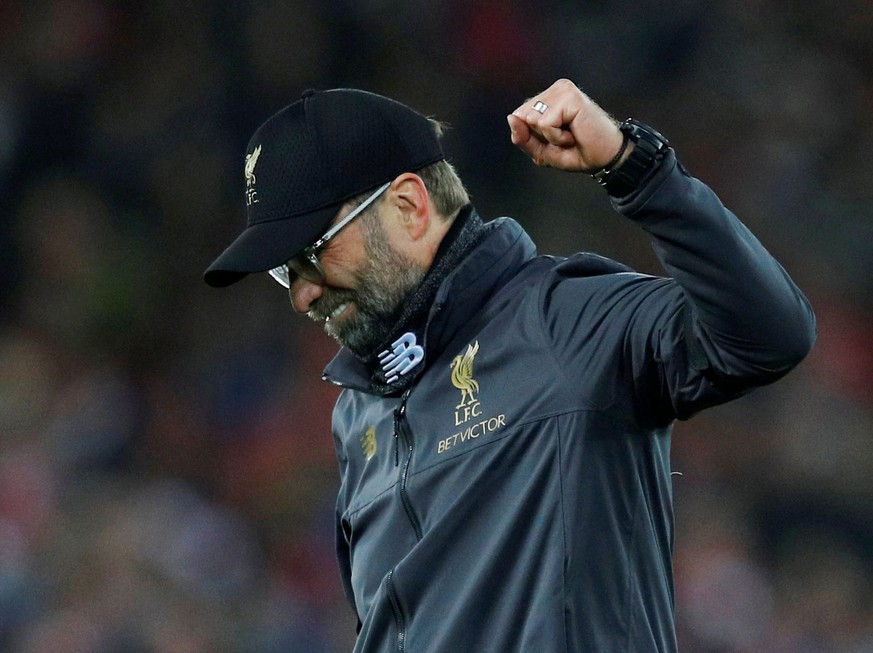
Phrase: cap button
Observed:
(309, 92)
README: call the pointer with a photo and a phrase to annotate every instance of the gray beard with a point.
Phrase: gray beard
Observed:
(385, 282)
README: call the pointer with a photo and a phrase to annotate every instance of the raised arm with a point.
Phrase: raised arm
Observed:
(731, 319)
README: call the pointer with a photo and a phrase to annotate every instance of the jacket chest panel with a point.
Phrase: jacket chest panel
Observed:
(370, 448)
(483, 391)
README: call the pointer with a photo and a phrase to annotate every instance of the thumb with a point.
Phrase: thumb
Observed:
(556, 135)
(554, 126)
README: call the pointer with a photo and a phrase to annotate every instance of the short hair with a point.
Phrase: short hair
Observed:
(442, 181)
(445, 188)
(443, 184)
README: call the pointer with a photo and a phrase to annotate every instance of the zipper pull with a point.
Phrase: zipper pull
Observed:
(399, 414)
(396, 437)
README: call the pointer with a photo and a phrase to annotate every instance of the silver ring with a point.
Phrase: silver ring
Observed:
(540, 107)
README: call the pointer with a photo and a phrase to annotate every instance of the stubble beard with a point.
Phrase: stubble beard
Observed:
(383, 284)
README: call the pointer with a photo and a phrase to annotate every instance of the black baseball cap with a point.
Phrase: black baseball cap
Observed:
(307, 160)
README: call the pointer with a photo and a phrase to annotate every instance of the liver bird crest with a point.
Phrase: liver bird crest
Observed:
(251, 162)
(462, 375)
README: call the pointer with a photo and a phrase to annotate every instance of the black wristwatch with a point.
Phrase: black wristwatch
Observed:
(650, 146)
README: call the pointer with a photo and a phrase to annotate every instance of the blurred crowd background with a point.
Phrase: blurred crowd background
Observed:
(167, 475)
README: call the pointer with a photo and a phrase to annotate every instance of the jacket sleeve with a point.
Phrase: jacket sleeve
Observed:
(727, 320)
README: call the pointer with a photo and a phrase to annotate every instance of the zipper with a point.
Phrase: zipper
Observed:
(398, 613)
(401, 430)
(399, 413)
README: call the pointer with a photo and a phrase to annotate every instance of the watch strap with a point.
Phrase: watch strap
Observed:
(649, 149)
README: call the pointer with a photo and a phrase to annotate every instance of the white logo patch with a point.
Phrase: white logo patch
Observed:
(401, 358)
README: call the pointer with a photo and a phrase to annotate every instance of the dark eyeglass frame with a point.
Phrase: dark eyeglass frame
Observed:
(306, 264)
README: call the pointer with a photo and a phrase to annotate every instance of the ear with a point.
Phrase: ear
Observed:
(414, 208)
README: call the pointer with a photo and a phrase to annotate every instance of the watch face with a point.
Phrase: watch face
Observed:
(649, 144)
(638, 129)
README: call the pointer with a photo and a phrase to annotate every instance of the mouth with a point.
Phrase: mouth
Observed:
(335, 313)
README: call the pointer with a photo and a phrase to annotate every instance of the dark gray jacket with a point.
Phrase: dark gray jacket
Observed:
(517, 497)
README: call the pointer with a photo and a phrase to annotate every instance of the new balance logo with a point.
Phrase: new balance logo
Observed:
(401, 358)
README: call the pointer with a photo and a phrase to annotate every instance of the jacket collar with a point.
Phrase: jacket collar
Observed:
(494, 260)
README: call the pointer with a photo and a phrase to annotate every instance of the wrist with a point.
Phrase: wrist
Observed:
(620, 156)
(644, 150)
(626, 154)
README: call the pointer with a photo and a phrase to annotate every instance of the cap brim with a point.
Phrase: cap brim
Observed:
(267, 245)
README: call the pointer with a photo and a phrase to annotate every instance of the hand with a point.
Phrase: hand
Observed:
(573, 133)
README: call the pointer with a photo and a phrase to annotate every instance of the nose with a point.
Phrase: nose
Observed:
(304, 294)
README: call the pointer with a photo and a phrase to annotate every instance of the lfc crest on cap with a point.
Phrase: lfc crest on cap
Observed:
(251, 162)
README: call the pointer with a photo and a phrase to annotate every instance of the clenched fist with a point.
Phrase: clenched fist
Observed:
(567, 130)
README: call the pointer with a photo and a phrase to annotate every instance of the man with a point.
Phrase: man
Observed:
(504, 431)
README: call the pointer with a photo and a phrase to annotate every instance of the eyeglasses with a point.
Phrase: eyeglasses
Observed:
(306, 265)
